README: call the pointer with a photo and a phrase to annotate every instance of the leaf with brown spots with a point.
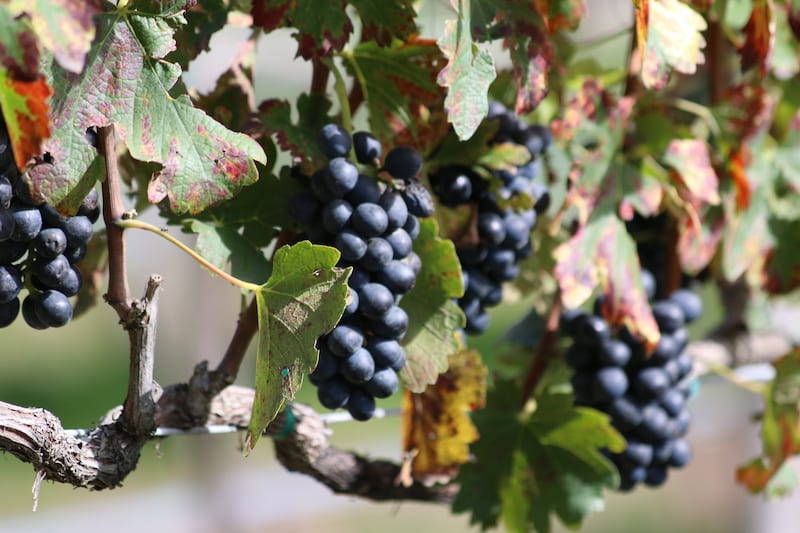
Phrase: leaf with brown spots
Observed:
(19, 51)
(434, 318)
(303, 298)
(127, 84)
(690, 159)
(603, 254)
(64, 27)
(437, 429)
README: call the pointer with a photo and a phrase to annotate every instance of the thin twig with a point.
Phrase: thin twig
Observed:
(544, 349)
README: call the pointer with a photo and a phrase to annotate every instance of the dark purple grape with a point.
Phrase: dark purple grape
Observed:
(367, 147)
(392, 325)
(6, 224)
(319, 186)
(610, 383)
(304, 207)
(413, 260)
(681, 453)
(9, 312)
(6, 192)
(75, 254)
(27, 222)
(517, 231)
(453, 188)
(336, 215)
(341, 176)
(357, 367)
(366, 190)
(387, 352)
(669, 316)
(351, 245)
(11, 251)
(29, 314)
(50, 242)
(395, 208)
(51, 271)
(383, 383)
(401, 243)
(327, 367)
(370, 220)
(358, 278)
(613, 352)
(375, 300)
(403, 162)
(352, 302)
(625, 415)
(673, 402)
(412, 226)
(666, 349)
(651, 382)
(378, 255)
(344, 340)
(491, 229)
(655, 423)
(10, 283)
(636, 454)
(418, 199)
(90, 206)
(333, 393)
(333, 141)
(361, 404)
(689, 302)
(656, 475)
(592, 330)
(478, 322)
(397, 276)
(53, 309)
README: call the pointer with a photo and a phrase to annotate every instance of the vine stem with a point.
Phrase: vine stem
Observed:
(341, 94)
(543, 355)
(138, 224)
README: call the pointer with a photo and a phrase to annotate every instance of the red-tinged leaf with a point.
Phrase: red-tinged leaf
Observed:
(64, 27)
(643, 191)
(271, 14)
(756, 51)
(674, 41)
(530, 69)
(689, 157)
(24, 107)
(642, 10)
(467, 75)
(128, 84)
(19, 51)
(561, 15)
(385, 21)
(737, 166)
(780, 431)
(603, 253)
(698, 241)
(756, 106)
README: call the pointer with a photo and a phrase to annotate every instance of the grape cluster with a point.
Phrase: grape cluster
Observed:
(503, 232)
(39, 249)
(644, 395)
(373, 225)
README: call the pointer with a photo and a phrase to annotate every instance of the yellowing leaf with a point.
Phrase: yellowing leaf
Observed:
(437, 429)
(673, 41)
(24, 105)
(690, 158)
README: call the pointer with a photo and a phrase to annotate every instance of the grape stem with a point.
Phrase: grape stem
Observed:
(341, 94)
(544, 348)
(138, 224)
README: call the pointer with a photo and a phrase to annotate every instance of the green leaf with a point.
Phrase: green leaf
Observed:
(64, 27)
(467, 75)
(300, 138)
(533, 462)
(126, 83)
(434, 318)
(389, 78)
(303, 299)
(385, 21)
(225, 246)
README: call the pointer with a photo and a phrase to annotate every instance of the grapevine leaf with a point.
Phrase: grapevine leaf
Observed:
(303, 298)
(541, 461)
(224, 245)
(24, 105)
(603, 253)
(392, 79)
(19, 52)
(434, 318)
(300, 139)
(127, 84)
(467, 75)
(436, 426)
(699, 237)
(64, 27)
(385, 21)
(779, 433)
(689, 157)
(321, 29)
(674, 40)
(205, 19)
(561, 15)
(759, 40)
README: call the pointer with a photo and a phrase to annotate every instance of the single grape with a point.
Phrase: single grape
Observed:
(636, 454)
(401, 243)
(361, 404)
(397, 276)
(673, 402)
(345, 339)
(669, 316)
(367, 147)
(366, 190)
(610, 383)
(29, 314)
(689, 302)
(9, 312)
(370, 220)
(681, 453)
(53, 309)
(90, 206)
(378, 255)
(613, 352)
(375, 300)
(418, 199)
(327, 367)
(387, 352)
(10, 283)
(383, 383)
(51, 271)
(357, 367)
(27, 222)
(6, 192)
(656, 475)
(491, 229)
(333, 141)
(351, 245)
(392, 325)
(333, 393)
(50, 242)
(395, 208)
(651, 382)
(336, 215)
(403, 162)
(341, 176)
